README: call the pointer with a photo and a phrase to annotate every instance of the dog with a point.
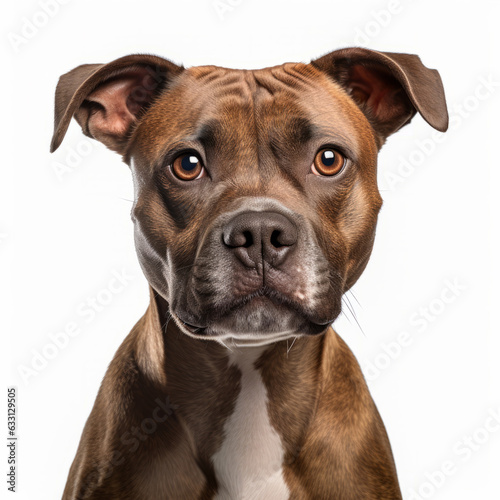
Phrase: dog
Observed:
(255, 209)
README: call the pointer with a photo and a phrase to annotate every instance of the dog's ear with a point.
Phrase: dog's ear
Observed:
(107, 99)
(389, 88)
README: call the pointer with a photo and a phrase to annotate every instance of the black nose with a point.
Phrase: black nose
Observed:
(255, 237)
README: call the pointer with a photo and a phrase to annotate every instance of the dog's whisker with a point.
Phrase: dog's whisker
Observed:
(354, 297)
(225, 345)
(346, 317)
(349, 307)
(165, 325)
(290, 348)
(188, 267)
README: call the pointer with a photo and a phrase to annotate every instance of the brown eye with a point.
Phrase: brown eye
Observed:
(327, 162)
(187, 167)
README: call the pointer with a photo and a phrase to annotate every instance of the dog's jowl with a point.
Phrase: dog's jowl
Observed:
(255, 210)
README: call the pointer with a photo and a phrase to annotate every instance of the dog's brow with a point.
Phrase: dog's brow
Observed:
(207, 133)
(298, 130)
(302, 129)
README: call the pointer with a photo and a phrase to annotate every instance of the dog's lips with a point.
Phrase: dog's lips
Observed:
(197, 330)
(260, 298)
(263, 298)
(192, 329)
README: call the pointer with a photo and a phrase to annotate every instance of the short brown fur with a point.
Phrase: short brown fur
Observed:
(159, 416)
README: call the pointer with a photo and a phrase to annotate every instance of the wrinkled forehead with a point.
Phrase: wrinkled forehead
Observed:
(244, 112)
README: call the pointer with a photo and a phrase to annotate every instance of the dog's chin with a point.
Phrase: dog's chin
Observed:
(256, 322)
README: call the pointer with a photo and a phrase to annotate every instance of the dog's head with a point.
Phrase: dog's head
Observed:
(256, 198)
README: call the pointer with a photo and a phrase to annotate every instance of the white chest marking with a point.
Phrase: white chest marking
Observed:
(248, 466)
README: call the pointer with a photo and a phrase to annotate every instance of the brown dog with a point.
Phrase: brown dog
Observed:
(255, 210)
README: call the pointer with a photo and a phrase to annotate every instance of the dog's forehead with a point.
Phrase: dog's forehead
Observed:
(281, 105)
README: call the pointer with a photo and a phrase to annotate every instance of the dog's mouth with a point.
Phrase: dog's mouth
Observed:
(265, 314)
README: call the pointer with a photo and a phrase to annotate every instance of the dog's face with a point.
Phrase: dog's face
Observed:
(255, 191)
(256, 206)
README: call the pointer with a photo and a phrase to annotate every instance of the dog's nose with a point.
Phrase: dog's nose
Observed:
(255, 237)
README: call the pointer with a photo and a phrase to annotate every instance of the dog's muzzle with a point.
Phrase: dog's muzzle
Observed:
(258, 272)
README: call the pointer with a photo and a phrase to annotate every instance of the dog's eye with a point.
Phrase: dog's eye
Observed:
(327, 162)
(188, 167)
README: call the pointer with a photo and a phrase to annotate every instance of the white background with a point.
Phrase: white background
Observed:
(62, 237)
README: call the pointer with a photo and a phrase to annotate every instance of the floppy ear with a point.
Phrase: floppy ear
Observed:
(389, 88)
(107, 99)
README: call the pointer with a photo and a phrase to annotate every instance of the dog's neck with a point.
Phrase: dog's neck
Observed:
(203, 378)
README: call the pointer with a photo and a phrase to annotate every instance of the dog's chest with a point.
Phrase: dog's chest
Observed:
(249, 464)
